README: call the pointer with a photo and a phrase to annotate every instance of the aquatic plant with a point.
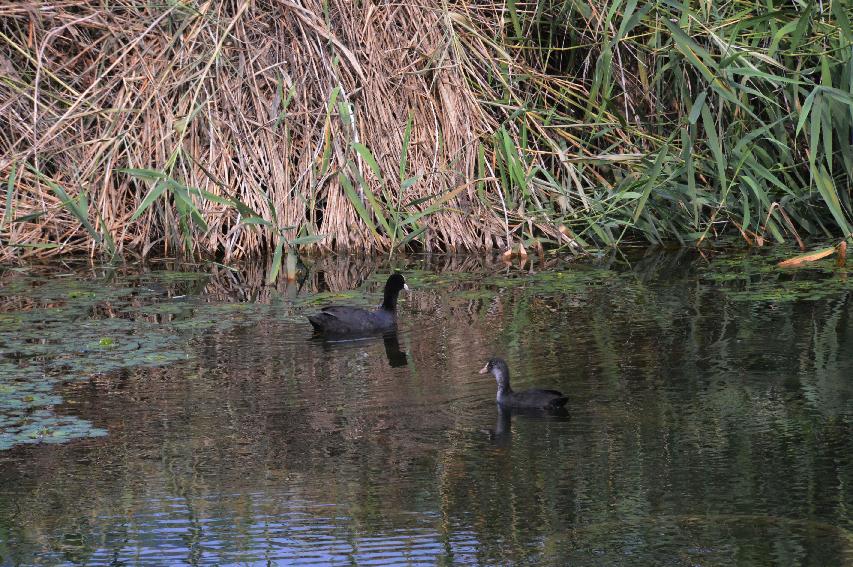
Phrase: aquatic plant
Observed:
(61, 330)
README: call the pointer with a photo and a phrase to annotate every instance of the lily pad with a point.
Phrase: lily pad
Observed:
(70, 329)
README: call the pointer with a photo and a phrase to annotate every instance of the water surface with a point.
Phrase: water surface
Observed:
(195, 420)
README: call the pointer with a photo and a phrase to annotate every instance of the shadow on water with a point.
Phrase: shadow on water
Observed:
(395, 355)
(708, 422)
(501, 435)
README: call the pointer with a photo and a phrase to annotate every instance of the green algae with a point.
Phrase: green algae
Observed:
(69, 329)
(43, 426)
(756, 277)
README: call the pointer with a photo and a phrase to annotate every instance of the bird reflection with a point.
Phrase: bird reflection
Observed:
(396, 356)
(501, 435)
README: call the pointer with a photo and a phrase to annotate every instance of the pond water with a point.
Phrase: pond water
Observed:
(170, 415)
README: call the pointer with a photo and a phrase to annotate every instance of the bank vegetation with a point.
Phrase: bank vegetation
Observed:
(229, 128)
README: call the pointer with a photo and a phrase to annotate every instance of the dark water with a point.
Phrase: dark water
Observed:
(709, 419)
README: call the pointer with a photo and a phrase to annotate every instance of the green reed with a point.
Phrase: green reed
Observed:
(675, 120)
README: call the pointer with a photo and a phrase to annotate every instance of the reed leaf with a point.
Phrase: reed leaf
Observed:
(78, 207)
(157, 189)
(275, 267)
(357, 204)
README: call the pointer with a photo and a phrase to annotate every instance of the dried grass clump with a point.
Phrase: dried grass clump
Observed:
(197, 90)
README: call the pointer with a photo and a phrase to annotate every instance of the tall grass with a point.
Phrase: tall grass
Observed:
(672, 120)
(230, 128)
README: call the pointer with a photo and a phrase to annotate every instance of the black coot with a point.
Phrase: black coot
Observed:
(342, 320)
(543, 399)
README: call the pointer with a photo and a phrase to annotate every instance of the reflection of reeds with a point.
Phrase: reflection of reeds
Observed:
(656, 358)
(338, 273)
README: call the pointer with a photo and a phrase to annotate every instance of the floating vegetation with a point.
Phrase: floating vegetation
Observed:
(570, 281)
(422, 278)
(172, 277)
(26, 398)
(757, 277)
(43, 426)
(348, 296)
(65, 329)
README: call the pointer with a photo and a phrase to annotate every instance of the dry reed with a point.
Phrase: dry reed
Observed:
(234, 127)
(198, 91)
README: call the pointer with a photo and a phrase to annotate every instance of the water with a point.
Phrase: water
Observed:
(709, 416)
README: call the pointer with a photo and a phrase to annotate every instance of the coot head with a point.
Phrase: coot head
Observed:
(499, 369)
(395, 284)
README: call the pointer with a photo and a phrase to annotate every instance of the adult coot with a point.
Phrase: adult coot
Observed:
(543, 399)
(342, 320)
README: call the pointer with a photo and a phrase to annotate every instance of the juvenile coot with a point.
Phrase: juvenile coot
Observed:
(342, 320)
(544, 399)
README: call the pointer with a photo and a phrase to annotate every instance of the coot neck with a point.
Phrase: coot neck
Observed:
(504, 389)
(503, 393)
(389, 302)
